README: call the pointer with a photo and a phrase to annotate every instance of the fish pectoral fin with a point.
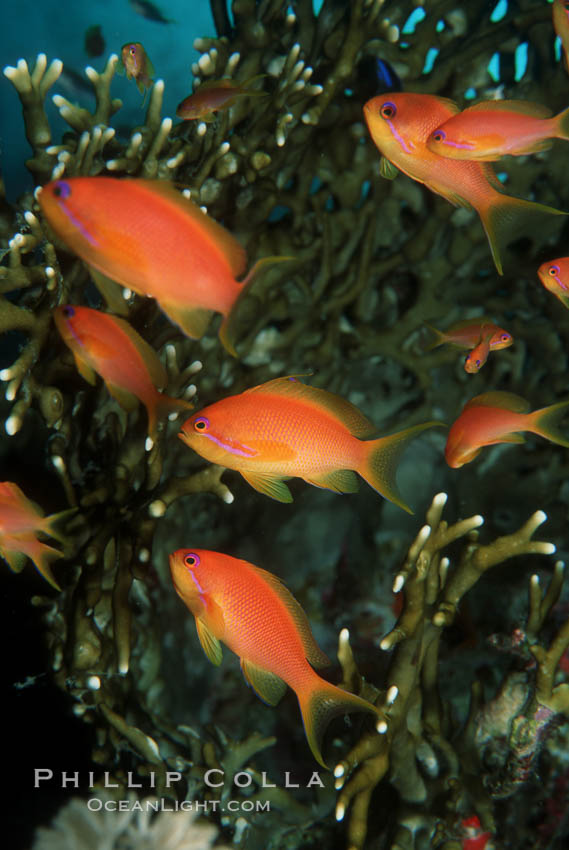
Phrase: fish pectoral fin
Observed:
(192, 321)
(275, 488)
(340, 481)
(266, 685)
(387, 169)
(84, 369)
(210, 644)
(110, 290)
(126, 400)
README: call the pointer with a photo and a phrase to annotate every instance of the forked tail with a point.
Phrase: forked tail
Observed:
(320, 702)
(545, 422)
(228, 326)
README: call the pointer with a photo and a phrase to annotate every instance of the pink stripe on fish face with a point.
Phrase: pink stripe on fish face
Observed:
(399, 138)
(243, 451)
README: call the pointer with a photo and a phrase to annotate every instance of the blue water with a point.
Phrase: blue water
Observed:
(57, 28)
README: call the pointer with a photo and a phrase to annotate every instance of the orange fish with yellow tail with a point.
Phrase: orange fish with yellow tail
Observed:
(286, 429)
(20, 523)
(144, 235)
(400, 124)
(252, 612)
(500, 417)
(130, 367)
(492, 129)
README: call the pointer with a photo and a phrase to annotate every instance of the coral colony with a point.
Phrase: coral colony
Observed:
(248, 279)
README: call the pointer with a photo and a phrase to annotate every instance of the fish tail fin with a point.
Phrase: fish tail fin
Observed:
(545, 422)
(42, 557)
(506, 218)
(562, 124)
(50, 523)
(162, 405)
(439, 337)
(320, 702)
(381, 459)
(227, 328)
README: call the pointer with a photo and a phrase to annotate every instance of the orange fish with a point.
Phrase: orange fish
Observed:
(128, 365)
(253, 613)
(400, 124)
(560, 13)
(499, 417)
(492, 129)
(145, 235)
(285, 429)
(468, 333)
(555, 277)
(135, 63)
(212, 96)
(20, 523)
(479, 354)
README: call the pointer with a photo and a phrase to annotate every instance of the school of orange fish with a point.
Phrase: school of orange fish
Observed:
(146, 236)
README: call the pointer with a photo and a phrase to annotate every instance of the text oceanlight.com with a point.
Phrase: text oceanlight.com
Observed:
(95, 804)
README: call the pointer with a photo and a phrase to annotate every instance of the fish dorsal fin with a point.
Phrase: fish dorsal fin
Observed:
(452, 105)
(155, 368)
(521, 107)
(232, 250)
(341, 409)
(311, 649)
(222, 83)
(267, 685)
(508, 401)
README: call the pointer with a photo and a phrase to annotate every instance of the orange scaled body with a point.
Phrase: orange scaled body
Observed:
(499, 417)
(214, 95)
(285, 429)
(492, 129)
(252, 612)
(555, 277)
(20, 523)
(145, 235)
(110, 347)
(400, 124)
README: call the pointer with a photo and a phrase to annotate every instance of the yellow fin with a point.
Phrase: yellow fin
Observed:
(127, 400)
(210, 644)
(84, 369)
(521, 107)
(267, 685)
(498, 398)
(339, 480)
(151, 360)
(110, 290)
(275, 488)
(192, 321)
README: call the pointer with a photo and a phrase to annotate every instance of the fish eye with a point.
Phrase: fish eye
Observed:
(68, 311)
(439, 135)
(554, 270)
(132, 49)
(61, 189)
(388, 110)
(505, 337)
(191, 559)
(201, 424)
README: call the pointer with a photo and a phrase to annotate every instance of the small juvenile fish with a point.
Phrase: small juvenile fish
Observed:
(285, 429)
(20, 523)
(400, 124)
(479, 354)
(499, 417)
(144, 235)
(492, 129)
(560, 12)
(149, 11)
(130, 368)
(214, 95)
(135, 63)
(468, 332)
(555, 277)
(253, 613)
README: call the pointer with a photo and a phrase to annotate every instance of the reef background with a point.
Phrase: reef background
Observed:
(376, 259)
